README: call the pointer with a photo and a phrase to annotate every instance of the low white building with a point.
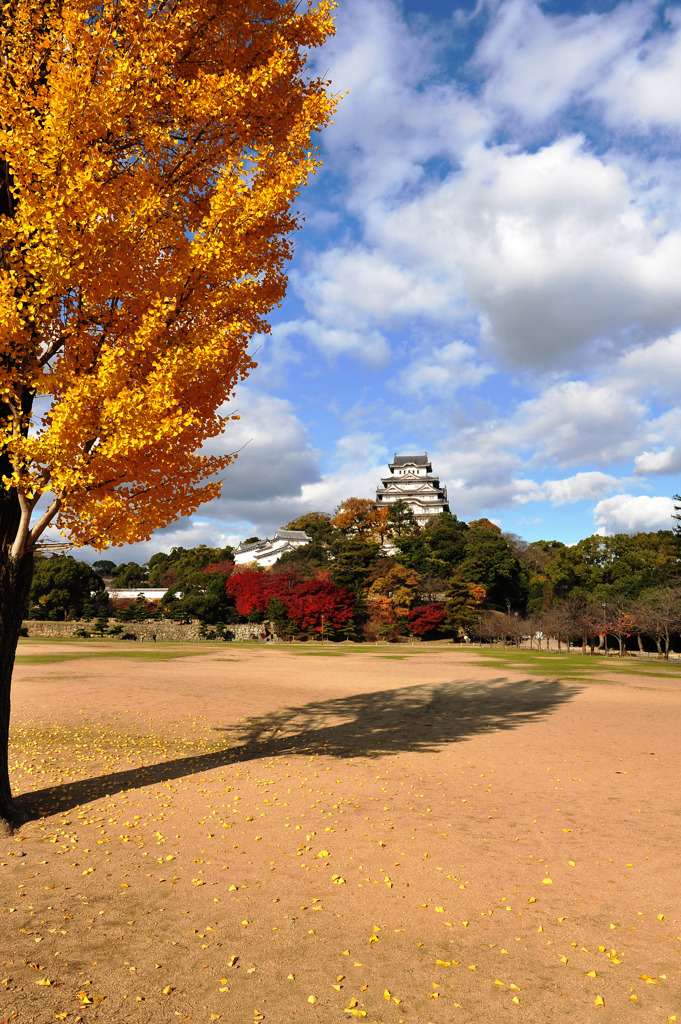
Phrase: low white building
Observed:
(411, 480)
(266, 552)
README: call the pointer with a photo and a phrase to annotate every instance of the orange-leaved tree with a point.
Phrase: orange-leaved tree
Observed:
(150, 154)
(361, 517)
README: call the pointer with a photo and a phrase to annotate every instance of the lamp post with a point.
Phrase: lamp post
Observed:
(604, 605)
(322, 630)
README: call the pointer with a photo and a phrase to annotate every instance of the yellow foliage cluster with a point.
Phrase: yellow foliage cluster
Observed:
(150, 154)
(362, 517)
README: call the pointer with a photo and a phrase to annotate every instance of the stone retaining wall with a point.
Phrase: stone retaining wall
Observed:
(161, 629)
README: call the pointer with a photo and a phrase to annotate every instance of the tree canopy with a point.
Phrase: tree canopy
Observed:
(150, 156)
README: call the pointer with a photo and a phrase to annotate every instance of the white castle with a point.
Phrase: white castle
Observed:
(411, 480)
(266, 552)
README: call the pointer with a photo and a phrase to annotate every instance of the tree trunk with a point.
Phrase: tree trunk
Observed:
(15, 584)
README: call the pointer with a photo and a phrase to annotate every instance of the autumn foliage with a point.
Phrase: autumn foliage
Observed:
(427, 619)
(149, 157)
(306, 601)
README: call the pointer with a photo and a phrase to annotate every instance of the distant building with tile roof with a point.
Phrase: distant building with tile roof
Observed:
(266, 552)
(411, 480)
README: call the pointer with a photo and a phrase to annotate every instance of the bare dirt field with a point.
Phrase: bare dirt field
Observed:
(400, 835)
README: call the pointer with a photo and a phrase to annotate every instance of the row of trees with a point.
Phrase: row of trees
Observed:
(651, 621)
(373, 572)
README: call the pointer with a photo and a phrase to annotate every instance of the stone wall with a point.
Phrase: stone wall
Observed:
(162, 629)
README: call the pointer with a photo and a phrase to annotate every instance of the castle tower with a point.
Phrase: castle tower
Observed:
(411, 480)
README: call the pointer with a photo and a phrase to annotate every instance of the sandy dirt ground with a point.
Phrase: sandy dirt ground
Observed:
(402, 836)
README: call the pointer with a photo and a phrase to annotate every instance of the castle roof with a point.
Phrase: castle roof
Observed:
(411, 460)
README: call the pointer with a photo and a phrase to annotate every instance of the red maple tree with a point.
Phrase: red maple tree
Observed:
(251, 589)
(427, 618)
(313, 600)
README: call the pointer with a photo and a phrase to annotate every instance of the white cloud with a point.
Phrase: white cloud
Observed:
(275, 456)
(537, 62)
(667, 461)
(644, 84)
(652, 369)
(550, 248)
(575, 422)
(355, 286)
(442, 371)
(580, 487)
(633, 513)
(399, 112)
(554, 251)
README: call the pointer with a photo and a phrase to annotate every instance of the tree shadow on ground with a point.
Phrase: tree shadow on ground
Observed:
(418, 719)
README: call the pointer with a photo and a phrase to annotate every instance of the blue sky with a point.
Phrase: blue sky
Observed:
(489, 271)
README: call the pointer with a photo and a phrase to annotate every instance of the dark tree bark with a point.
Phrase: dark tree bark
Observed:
(15, 583)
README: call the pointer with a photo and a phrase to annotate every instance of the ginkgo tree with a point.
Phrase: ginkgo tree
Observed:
(151, 152)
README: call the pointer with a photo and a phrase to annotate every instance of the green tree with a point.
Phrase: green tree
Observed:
(183, 564)
(129, 575)
(401, 519)
(105, 567)
(353, 562)
(316, 525)
(62, 588)
(306, 560)
(614, 568)
(279, 617)
(490, 562)
(463, 601)
(198, 594)
(438, 550)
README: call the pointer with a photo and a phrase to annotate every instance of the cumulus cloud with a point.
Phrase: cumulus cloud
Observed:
(537, 63)
(399, 111)
(633, 513)
(553, 250)
(575, 421)
(644, 83)
(443, 371)
(579, 487)
(653, 369)
(667, 461)
(275, 456)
